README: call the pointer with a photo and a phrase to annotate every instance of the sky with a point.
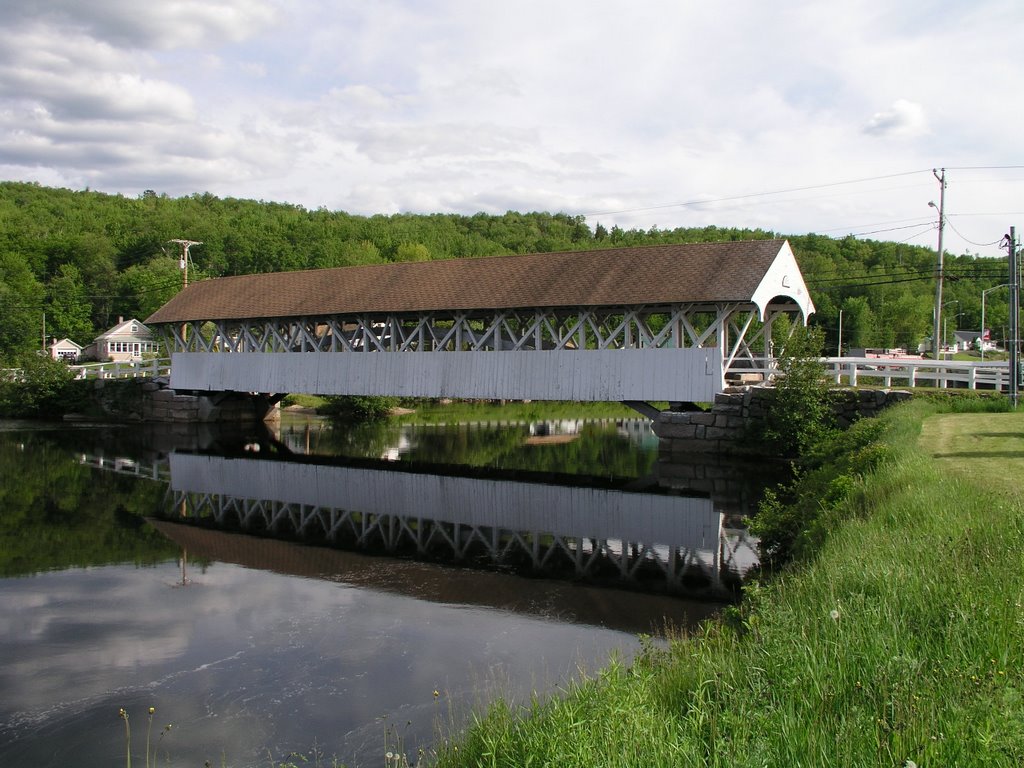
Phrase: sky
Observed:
(793, 116)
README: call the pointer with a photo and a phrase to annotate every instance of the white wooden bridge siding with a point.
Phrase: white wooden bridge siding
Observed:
(586, 375)
(677, 521)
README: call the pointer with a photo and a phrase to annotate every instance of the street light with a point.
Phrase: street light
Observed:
(956, 327)
(944, 335)
(986, 291)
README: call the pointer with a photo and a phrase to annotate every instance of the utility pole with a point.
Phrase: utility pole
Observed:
(183, 262)
(985, 293)
(839, 346)
(1011, 248)
(185, 246)
(939, 272)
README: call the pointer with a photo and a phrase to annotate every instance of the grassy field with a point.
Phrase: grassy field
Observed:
(972, 356)
(898, 642)
(984, 448)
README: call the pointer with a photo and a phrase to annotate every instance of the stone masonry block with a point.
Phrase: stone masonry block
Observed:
(674, 431)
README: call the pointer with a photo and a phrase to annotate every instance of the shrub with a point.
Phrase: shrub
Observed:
(41, 390)
(360, 407)
(801, 408)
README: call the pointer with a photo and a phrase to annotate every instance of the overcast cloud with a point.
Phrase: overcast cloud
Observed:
(617, 110)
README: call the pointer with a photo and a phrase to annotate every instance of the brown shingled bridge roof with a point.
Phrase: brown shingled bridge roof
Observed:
(614, 277)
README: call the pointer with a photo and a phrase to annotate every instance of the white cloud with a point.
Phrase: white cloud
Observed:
(451, 105)
(903, 119)
(163, 25)
(110, 95)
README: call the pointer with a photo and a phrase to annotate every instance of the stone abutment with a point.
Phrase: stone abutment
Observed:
(727, 427)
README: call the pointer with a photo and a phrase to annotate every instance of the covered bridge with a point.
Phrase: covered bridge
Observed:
(662, 322)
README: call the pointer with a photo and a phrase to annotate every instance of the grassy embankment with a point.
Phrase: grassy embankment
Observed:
(897, 639)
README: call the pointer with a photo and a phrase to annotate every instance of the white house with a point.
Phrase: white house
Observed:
(126, 341)
(66, 350)
(974, 340)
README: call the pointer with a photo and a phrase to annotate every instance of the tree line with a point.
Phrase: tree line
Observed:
(84, 258)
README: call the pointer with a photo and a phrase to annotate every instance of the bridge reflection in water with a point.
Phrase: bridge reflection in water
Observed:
(630, 534)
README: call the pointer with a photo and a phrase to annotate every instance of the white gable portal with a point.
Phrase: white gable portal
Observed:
(784, 278)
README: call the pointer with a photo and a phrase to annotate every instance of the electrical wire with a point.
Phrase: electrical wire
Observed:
(108, 297)
(896, 229)
(868, 281)
(984, 167)
(968, 240)
(691, 203)
(756, 194)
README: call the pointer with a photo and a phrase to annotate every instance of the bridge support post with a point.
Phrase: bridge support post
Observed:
(643, 408)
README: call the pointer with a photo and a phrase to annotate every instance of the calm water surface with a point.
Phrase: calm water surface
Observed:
(309, 589)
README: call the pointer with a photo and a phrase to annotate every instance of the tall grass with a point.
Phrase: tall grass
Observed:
(898, 640)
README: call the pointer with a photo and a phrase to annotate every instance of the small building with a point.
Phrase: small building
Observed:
(66, 350)
(965, 340)
(127, 341)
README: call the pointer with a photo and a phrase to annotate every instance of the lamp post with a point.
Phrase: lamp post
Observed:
(839, 346)
(953, 301)
(983, 294)
(956, 327)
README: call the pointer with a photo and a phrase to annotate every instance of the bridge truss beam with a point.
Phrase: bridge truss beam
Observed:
(732, 336)
(677, 327)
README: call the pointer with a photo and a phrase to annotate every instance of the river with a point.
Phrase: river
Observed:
(334, 593)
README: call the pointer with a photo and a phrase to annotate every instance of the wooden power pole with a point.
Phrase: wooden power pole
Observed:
(185, 246)
(185, 258)
(1011, 248)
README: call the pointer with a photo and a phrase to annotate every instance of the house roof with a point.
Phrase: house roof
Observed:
(127, 330)
(651, 275)
(66, 343)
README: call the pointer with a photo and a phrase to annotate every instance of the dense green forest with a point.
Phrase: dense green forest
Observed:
(83, 258)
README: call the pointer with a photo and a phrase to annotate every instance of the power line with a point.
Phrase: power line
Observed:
(893, 278)
(867, 284)
(968, 240)
(896, 229)
(851, 230)
(985, 213)
(756, 194)
(984, 167)
(163, 286)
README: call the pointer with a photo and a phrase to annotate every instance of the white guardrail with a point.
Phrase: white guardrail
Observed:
(915, 372)
(138, 369)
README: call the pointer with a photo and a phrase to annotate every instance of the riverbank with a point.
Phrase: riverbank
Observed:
(896, 639)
